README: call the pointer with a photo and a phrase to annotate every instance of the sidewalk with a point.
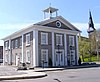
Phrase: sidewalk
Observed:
(11, 73)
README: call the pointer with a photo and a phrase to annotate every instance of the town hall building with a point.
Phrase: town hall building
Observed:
(52, 42)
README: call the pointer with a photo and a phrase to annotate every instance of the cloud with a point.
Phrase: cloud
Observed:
(84, 26)
(13, 26)
(1, 43)
(7, 29)
(81, 26)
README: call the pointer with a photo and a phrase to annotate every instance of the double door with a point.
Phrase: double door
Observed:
(44, 58)
(59, 58)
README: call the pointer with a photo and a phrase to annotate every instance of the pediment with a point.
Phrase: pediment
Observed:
(58, 22)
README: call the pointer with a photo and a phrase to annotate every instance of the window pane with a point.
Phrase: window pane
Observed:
(20, 57)
(16, 43)
(27, 39)
(71, 40)
(59, 39)
(28, 56)
(20, 41)
(44, 54)
(44, 38)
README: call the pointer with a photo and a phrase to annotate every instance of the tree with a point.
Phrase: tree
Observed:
(84, 48)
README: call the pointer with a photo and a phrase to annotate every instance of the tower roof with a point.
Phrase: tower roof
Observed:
(50, 10)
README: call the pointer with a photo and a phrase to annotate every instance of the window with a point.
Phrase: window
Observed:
(58, 24)
(20, 57)
(13, 59)
(27, 39)
(44, 55)
(6, 58)
(6, 45)
(58, 39)
(16, 43)
(12, 44)
(71, 40)
(20, 42)
(44, 38)
(28, 53)
(61, 57)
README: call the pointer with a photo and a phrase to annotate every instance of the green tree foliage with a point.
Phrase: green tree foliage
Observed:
(84, 48)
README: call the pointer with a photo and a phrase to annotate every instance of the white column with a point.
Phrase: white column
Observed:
(77, 48)
(9, 50)
(22, 48)
(65, 49)
(3, 54)
(35, 48)
(53, 50)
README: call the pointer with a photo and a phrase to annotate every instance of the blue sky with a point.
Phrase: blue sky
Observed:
(17, 14)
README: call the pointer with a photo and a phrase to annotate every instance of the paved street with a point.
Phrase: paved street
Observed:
(68, 75)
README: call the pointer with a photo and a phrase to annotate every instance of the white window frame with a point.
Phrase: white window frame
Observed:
(46, 38)
(42, 52)
(28, 54)
(6, 45)
(20, 43)
(73, 43)
(16, 43)
(57, 41)
(27, 40)
(12, 44)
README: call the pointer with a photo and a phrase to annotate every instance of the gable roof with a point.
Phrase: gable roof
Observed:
(43, 23)
(60, 18)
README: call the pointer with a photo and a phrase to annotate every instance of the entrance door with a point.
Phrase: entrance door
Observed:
(59, 58)
(17, 59)
(44, 58)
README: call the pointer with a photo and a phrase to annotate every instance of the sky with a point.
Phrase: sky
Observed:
(18, 14)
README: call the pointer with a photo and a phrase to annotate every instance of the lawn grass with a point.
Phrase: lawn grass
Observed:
(92, 59)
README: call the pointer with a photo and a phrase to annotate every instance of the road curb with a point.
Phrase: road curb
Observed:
(23, 76)
(71, 67)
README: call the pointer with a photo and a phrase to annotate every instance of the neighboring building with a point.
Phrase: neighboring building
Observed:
(95, 41)
(1, 54)
(94, 36)
(52, 42)
(98, 42)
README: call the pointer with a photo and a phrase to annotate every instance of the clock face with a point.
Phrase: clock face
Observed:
(58, 24)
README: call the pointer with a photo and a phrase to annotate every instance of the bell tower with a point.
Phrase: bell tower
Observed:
(50, 13)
